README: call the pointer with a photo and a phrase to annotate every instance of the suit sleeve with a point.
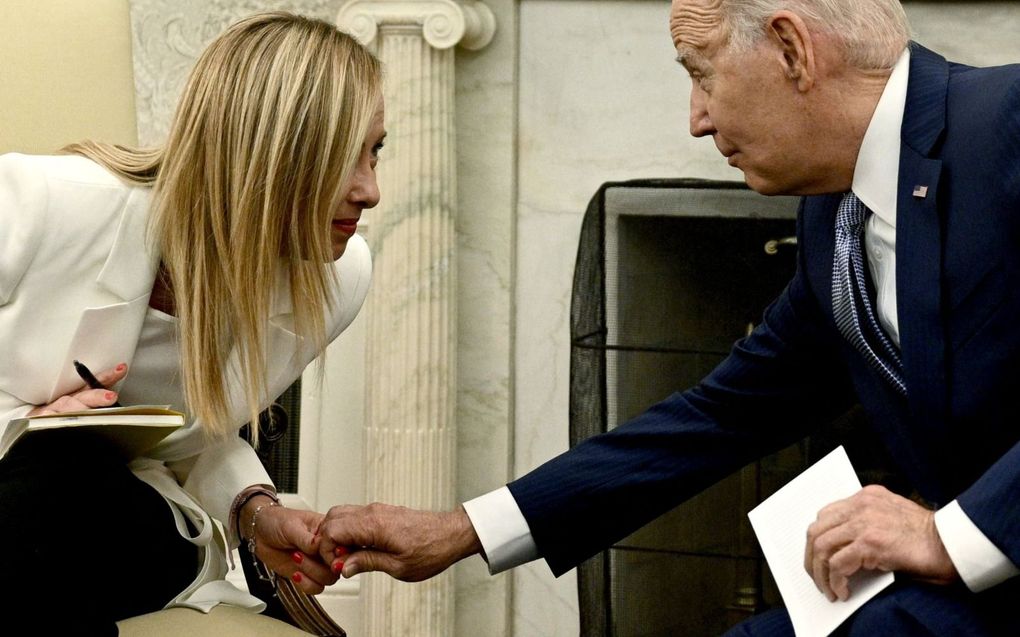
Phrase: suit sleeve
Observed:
(22, 227)
(993, 501)
(22, 217)
(776, 385)
(215, 477)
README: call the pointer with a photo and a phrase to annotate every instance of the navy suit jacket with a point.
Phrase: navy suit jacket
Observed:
(955, 436)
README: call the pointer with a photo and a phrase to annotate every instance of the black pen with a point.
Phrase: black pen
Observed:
(89, 379)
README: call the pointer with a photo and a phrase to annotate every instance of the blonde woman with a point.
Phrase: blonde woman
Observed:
(206, 275)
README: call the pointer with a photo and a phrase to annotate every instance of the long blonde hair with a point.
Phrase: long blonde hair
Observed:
(261, 149)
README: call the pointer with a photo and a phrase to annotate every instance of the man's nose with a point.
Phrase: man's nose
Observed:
(701, 123)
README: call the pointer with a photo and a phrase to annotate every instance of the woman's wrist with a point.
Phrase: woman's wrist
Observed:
(247, 512)
(249, 516)
(236, 524)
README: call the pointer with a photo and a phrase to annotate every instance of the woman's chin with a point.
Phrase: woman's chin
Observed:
(338, 249)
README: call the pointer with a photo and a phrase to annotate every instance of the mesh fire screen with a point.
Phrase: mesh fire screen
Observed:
(669, 274)
(279, 438)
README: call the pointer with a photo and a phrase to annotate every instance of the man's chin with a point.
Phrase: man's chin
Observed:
(763, 185)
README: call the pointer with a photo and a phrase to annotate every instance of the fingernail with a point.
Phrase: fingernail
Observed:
(296, 577)
(338, 566)
(109, 395)
(297, 556)
(121, 367)
(341, 551)
(352, 571)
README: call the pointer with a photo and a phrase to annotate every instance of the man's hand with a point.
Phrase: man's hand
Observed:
(407, 544)
(874, 529)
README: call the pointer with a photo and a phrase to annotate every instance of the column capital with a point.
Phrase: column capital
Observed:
(443, 23)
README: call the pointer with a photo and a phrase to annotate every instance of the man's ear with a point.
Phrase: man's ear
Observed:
(789, 34)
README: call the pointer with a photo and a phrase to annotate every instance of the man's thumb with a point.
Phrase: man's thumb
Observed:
(366, 561)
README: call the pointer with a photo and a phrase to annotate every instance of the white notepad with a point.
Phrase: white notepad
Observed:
(781, 523)
(132, 430)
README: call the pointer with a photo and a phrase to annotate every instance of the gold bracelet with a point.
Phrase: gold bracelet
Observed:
(264, 573)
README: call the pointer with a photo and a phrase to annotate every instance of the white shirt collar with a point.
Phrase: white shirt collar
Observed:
(876, 174)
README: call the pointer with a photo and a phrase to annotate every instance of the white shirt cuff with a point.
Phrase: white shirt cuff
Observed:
(502, 529)
(980, 563)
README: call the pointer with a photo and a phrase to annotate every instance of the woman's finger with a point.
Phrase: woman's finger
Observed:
(112, 376)
(311, 567)
(94, 398)
(59, 406)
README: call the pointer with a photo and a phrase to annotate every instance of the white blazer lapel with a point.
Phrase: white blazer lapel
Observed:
(108, 334)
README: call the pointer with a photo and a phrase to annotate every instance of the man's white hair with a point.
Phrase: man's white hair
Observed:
(873, 32)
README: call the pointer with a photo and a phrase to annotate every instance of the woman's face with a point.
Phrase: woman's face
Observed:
(363, 191)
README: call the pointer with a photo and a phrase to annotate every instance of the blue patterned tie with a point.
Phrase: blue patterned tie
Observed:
(851, 306)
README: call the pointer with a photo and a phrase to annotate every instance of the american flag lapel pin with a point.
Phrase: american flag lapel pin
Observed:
(920, 191)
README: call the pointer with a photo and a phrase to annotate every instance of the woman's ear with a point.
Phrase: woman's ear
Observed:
(790, 35)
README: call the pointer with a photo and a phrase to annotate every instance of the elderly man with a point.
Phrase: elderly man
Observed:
(902, 157)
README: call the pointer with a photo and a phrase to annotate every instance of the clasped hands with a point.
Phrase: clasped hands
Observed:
(313, 549)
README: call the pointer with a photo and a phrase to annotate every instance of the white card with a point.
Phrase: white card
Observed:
(781, 523)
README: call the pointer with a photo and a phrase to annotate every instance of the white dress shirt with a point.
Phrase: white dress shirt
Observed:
(496, 517)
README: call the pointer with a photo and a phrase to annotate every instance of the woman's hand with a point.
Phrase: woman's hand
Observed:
(86, 398)
(286, 542)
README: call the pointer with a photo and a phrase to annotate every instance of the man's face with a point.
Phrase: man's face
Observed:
(743, 100)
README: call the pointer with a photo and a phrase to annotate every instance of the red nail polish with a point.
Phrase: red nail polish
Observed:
(109, 395)
(297, 556)
(338, 566)
(296, 577)
(121, 367)
(341, 551)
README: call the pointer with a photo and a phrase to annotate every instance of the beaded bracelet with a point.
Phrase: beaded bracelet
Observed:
(264, 573)
(243, 498)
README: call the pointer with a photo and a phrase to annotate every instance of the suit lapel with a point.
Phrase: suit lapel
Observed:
(283, 343)
(919, 242)
(107, 333)
(130, 268)
(819, 219)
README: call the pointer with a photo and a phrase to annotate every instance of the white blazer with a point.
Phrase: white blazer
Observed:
(75, 280)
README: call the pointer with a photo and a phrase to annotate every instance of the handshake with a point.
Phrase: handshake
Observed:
(315, 550)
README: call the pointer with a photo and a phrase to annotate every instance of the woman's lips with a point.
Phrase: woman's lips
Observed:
(347, 226)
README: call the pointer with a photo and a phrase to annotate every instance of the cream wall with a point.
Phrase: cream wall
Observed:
(65, 73)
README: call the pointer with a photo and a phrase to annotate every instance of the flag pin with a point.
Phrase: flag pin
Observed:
(920, 191)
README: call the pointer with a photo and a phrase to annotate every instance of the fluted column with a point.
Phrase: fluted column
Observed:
(410, 437)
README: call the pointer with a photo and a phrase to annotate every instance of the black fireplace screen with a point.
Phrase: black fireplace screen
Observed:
(279, 438)
(669, 274)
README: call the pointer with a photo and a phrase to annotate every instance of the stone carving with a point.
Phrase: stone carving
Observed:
(168, 35)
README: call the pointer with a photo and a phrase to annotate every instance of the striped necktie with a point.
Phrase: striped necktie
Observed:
(851, 306)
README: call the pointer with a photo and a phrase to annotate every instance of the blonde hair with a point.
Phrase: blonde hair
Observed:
(261, 149)
(873, 32)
